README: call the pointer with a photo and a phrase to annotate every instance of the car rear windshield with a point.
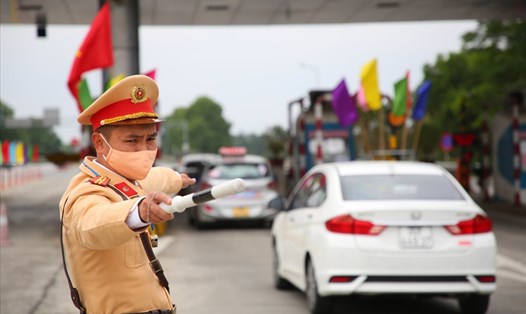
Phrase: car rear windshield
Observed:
(399, 187)
(240, 170)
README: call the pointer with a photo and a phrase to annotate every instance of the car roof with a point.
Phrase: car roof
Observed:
(200, 157)
(218, 159)
(243, 159)
(380, 167)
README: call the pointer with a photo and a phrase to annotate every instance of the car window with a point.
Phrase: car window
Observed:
(298, 198)
(399, 187)
(239, 170)
(316, 192)
(311, 193)
(195, 169)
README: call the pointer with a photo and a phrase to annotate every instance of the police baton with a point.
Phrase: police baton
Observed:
(180, 203)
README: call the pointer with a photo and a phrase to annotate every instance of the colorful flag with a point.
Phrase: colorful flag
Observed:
(5, 152)
(408, 93)
(369, 79)
(28, 150)
(12, 152)
(360, 99)
(114, 80)
(151, 74)
(95, 52)
(400, 98)
(343, 105)
(85, 97)
(19, 153)
(421, 100)
(36, 153)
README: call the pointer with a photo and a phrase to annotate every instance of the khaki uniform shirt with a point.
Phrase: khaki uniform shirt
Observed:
(105, 258)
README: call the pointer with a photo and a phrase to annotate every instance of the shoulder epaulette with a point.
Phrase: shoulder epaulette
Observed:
(100, 180)
(126, 189)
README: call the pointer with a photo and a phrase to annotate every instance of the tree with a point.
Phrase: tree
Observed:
(38, 134)
(490, 65)
(207, 129)
(276, 137)
(254, 143)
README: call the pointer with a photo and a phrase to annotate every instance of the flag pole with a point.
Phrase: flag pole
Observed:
(381, 129)
(418, 130)
(365, 136)
(405, 133)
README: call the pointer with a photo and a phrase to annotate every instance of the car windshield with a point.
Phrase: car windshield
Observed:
(239, 170)
(399, 187)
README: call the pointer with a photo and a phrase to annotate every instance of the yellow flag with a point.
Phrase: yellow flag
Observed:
(20, 153)
(369, 78)
(115, 80)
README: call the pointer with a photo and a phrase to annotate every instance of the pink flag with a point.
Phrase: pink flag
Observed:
(362, 102)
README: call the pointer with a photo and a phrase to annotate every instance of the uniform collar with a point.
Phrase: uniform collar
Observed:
(103, 176)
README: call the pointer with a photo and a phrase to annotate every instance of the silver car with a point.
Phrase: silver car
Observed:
(250, 205)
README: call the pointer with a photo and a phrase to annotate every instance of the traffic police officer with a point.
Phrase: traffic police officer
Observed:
(107, 207)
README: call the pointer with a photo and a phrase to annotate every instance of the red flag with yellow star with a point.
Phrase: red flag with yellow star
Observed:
(95, 52)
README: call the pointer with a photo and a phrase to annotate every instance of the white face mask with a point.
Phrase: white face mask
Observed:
(131, 165)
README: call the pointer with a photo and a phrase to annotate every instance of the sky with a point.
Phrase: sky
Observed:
(253, 72)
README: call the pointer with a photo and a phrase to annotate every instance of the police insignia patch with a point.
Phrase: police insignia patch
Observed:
(100, 180)
(124, 188)
(138, 95)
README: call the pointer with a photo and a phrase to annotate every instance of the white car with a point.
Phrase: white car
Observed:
(383, 227)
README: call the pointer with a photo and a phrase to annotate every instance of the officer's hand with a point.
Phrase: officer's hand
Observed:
(186, 180)
(151, 212)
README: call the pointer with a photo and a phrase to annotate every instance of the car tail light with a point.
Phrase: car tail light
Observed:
(271, 185)
(342, 279)
(479, 224)
(207, 208)
(486, 278)
(347, 224)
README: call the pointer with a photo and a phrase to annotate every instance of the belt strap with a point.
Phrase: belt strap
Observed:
(172, 311)
(154, 262)
(74, 293)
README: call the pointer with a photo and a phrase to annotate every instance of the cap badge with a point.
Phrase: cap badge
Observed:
(138, 95)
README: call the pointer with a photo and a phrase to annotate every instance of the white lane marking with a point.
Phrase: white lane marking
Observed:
(164, 242)
(509, 268)
(508, 262)
(502, 273)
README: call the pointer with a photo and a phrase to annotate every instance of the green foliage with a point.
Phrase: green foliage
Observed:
(491, 64)
(206, 128)
(40, 135)
(276, 137)
(5, 112)
(255, 144)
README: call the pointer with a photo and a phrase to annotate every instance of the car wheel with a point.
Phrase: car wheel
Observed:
(280, 283)
(317, 304)
(474, 304)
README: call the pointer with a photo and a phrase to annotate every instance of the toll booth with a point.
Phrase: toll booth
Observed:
(509, 159)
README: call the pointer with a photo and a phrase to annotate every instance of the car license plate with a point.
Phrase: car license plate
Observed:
(416, 237)
(240, 212)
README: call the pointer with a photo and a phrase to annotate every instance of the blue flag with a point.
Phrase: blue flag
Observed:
(343, 105)
(419, 110)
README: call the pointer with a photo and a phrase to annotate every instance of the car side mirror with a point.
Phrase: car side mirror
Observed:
(277, 203)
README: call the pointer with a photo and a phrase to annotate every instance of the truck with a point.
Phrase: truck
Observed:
(314, 136)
